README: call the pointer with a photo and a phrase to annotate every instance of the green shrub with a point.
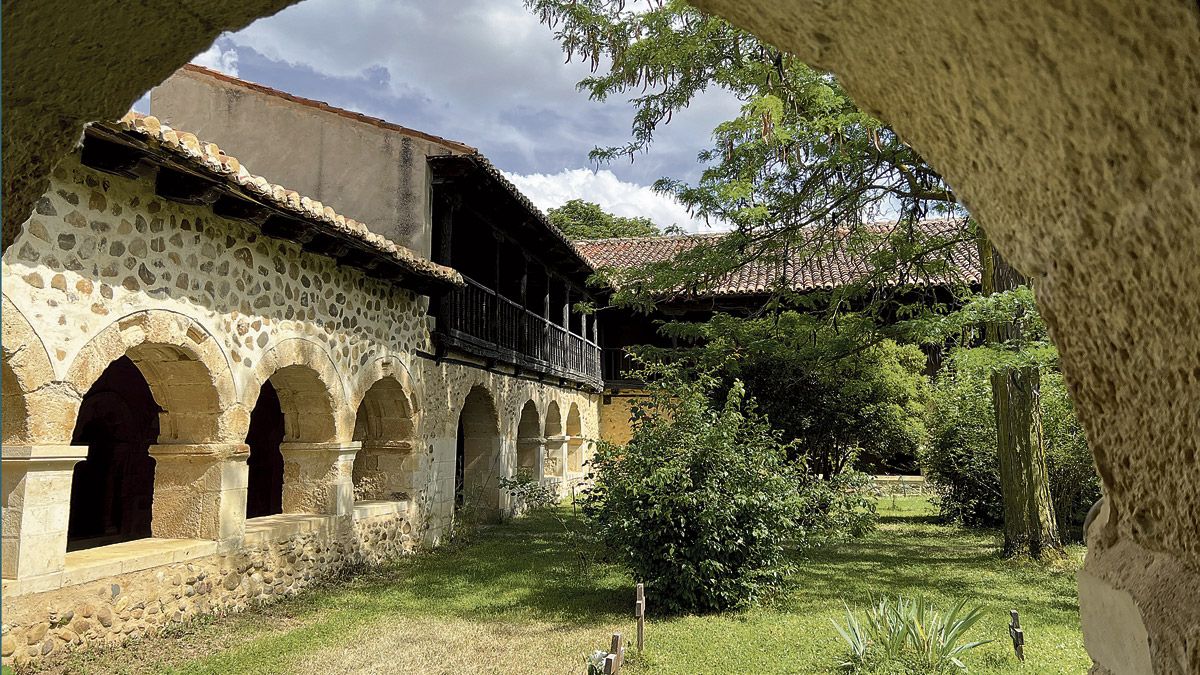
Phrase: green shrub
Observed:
(909, 636)
(961, 456)
(700, 504)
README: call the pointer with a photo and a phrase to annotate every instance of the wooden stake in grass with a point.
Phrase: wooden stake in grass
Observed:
(616, 656)
(639, 611)
(1017, 635)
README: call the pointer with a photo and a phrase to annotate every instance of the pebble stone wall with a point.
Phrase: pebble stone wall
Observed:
(105, 268)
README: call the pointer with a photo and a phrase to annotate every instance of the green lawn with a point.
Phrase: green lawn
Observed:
(516, 601)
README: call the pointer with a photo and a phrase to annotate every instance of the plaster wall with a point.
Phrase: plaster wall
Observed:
(378, 174)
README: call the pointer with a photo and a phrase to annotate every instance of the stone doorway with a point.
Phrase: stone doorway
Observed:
(264, 491)
(112, 491)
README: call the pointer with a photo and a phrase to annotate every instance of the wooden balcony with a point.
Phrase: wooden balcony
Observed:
(478, 320)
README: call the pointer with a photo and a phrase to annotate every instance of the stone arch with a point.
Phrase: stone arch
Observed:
(385, 425)
(575, 440)
(529, 439)
(301, 459)
(186, 369)
(310, 390)
(554, 461)
(478, 455)
(553, 420)
(27, 371)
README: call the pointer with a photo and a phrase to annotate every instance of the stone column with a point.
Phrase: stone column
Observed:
(319, 477)
(200, 491)
(37, 507)
(386, 469)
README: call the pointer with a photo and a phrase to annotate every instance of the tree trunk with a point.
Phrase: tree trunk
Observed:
(1030, 528)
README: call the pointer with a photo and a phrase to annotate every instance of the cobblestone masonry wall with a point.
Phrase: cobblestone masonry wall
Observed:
(111, 610)
(209, 309)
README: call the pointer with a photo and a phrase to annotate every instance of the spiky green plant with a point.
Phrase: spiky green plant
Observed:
(909, 633)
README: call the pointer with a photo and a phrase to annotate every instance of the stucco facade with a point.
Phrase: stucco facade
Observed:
(209, 310)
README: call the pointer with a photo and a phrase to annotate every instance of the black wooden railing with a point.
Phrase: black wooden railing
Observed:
(475, 316)
(616, 365)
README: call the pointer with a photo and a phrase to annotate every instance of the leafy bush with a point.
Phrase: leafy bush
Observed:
(836, 507)
(527, 492)
(961, 457)
(909, 634)
(847, 400)
(700, 504)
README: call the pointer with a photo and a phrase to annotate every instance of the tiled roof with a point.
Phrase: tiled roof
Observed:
(209, 160)
(833, 267)
(321, 105)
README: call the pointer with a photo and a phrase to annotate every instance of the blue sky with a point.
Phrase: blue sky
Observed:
(484, 72)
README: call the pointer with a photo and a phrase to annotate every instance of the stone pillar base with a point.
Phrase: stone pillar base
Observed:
(200, 491)
(37, 507)
(319, 477)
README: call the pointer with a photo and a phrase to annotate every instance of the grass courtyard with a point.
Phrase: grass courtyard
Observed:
(516, 601)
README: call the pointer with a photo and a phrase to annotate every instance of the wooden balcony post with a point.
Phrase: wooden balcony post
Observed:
(566, 308)
(523, 334)
(496, 245)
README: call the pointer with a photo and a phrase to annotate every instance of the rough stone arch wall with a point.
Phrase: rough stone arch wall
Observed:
(1072, 131)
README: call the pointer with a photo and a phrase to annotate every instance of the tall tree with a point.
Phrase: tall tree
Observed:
(799, 172)
(1030, 526)
(579, 219)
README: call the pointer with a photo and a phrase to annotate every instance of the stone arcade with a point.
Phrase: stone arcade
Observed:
(217, 390)
(1071, 130)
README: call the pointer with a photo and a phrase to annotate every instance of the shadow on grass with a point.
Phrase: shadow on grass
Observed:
(526, 568)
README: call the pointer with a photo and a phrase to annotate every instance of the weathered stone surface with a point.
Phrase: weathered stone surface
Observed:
(1086, 99)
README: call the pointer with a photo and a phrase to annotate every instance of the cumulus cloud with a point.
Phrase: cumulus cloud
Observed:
(217, 58)
(614, 195)
(485, 72)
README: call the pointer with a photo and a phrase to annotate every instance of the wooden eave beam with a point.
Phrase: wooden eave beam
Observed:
(185, 188)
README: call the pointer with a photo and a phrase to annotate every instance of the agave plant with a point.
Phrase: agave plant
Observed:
(910, 633)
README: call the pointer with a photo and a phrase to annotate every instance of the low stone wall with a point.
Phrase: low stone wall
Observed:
(902, 485)
(281, 556)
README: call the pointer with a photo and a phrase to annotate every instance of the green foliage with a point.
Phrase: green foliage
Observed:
(527, 492)
(908, 634)
(817, 384)
(798, 171)
(579, 219)
(700, 504)
(961, 456)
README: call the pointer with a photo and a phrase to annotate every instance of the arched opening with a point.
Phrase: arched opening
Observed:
(293, 406)
(264, 488)
(553, 463)
(112, 491)
(529, 441)
(384, 424)
(478, 463)
(13, 413)
(575, 441)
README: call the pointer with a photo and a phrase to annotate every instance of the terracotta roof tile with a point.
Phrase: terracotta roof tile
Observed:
(209, 159)
(835, 266)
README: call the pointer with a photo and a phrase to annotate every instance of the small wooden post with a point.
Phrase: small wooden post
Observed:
(639, 611)
(615, 657)
(1017, 635)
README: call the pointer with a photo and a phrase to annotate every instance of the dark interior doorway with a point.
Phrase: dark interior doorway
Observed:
(264, 492)
(112, 491)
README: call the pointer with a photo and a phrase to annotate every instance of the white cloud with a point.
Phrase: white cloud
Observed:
(611, 193)
(216, 58)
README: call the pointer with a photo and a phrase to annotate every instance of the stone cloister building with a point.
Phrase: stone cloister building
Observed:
(217, 389)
